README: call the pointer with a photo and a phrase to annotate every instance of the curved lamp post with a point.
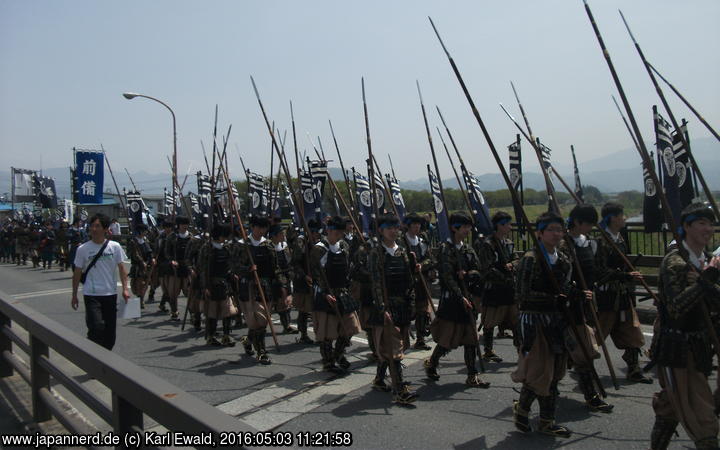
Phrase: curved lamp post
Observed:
(132, 95)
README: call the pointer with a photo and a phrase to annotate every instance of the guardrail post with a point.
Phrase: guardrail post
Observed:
(40, 378)
(6, 369)
(125, 415)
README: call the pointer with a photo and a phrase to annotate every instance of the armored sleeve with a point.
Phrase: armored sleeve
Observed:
(448, 270)
(679, 295)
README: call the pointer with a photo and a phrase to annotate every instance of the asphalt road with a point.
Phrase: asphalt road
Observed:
(295, 395)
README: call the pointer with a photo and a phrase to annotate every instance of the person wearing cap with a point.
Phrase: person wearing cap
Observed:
(415, 243)
(264, 263)
(141, 261)
(302, 278)
(543, 356)
(455, 322)
(334, 311)
(175, 251)
(688, 287)
(214, 262)
(497, 268)
(281, 293)
(164, 269)
(615, 294)
(391, 275)
(581, 221)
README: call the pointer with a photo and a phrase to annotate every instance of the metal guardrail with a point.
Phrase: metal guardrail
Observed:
(135, 391)
(634, 234)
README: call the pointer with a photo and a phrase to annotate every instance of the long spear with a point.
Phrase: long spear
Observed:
(131, 180)
(389, 328)
(694, 111)
(432, 151)
(670, 219)
(570, 246)
(696, 167)
(120, 197)
(516, 199)
(243, 233)
(351, 196)
(457, 177)
(386, 188)
(627, 125)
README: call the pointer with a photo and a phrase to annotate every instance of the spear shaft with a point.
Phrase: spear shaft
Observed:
(457, 177)
(694, 111)
(676, 125)
(513, 193)
(670, 219)
(351, 196)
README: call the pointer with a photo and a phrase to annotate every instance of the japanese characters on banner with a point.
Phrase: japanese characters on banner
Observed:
(89, 176)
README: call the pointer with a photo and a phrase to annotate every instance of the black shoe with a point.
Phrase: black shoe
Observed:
(305, 339)
(264, 359)
(404, 396)
(491, 356)
(227, 341)
(421, 345)
(175, 316)
(430, 371)
(380, 385)
(636, 376)
(343, 363)
(213, 341)
(474, 380)
(520, 418)
(598, 404)
(290, 330)
(550, 428)
(247, 345)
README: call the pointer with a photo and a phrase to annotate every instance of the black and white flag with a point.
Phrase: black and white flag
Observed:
(45, 191)
(685, 176)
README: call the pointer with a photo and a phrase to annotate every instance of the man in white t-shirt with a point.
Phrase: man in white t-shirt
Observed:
(114, 228)
(100, 286)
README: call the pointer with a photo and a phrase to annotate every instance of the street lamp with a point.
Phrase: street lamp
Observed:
(132, 95)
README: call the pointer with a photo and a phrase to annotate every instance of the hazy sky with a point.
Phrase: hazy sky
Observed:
(66, 63)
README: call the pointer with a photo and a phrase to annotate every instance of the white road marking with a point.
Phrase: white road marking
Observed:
(268, 408)
(59, 291)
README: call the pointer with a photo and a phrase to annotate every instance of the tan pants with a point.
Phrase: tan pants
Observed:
(686, 397)
(255, 314)
(540, 367)
(623, 327)
(451, 335)
(328, 326)
(138, 286)
(303, 302)
(496, 316)
(391, 342)
(587, 336)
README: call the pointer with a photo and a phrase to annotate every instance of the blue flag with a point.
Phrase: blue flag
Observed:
(89, 173)
(439, 208)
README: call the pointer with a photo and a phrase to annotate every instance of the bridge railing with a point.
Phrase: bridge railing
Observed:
(135, 391)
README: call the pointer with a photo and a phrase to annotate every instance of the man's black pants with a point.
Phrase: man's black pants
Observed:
(101, 317)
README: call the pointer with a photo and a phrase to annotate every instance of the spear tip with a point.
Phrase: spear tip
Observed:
(627, 26)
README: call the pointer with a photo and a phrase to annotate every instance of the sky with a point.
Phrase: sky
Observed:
(65, 65)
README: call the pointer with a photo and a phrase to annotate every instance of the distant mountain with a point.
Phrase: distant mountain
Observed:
(613, 172)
